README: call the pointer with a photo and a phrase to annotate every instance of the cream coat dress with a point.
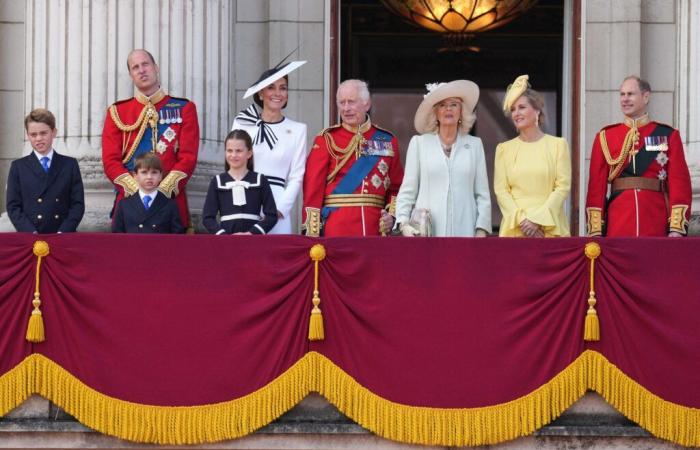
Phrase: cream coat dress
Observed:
(455, 190)
(532, 181)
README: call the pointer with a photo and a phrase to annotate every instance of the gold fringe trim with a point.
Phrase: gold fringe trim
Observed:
(154, 424)
(506, 421)
(449, 426)
(314, 372)
(663, 419)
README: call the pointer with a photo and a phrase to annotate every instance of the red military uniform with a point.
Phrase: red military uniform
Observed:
(350, 177)
(650, 193)
(161, 124)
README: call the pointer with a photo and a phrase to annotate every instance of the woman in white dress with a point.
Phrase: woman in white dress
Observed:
(279, 143)
(445, 166)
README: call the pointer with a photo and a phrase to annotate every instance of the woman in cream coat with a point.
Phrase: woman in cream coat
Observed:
(445, 166)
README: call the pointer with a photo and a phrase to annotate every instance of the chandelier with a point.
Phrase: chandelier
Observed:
(459, 16)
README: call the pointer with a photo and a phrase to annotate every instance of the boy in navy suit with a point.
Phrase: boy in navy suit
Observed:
(44, 189)
(150, 211)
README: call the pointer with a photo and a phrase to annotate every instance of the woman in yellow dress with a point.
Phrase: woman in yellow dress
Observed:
(532, 173)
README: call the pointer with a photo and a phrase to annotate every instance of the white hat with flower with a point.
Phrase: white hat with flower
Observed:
(425, 120)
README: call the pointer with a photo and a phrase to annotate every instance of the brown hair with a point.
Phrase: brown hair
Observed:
(256, 98)
(40, 115)
(148, 161)
(240, 135)
(644, 85)
(536, 100)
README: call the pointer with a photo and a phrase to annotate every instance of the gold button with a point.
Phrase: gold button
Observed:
(39, 200)
(365, 191)
(140, 225)
(39, 216)
(56, 216)
(56, 200)
(153, 226)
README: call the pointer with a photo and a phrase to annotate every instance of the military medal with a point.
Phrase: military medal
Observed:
(161, 117)
(161, 147)
(169, 134)
(179, 117)
(656, 143)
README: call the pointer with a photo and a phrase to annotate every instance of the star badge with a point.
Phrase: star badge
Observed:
(383, 167)
(169, 134)
(376, 181)
(161, 147)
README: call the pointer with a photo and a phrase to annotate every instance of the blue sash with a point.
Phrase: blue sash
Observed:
(362, 167)
(171, 110)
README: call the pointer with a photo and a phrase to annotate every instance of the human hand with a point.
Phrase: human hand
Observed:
(408, 230)
(531, 229)
(386, 222)
(280, 215)
(244, 233)
(480, 233)
(674, 234)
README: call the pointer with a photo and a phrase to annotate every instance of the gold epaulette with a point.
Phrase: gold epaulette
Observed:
(326, 130)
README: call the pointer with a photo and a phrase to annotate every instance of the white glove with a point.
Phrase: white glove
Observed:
(408, 230)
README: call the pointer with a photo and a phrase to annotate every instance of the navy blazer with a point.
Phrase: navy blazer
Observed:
(45, 202)
(162, 216)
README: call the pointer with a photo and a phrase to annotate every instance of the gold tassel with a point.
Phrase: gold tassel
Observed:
(591, 329)
(35, 328)
(317, 253)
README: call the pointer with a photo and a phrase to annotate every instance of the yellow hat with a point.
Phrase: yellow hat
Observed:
(514, 91)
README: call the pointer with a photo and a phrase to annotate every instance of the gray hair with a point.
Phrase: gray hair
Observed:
(361, 86)
(644, 85)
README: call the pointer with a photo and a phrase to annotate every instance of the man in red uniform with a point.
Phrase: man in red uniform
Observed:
(353, 172)
(644, 164)
(154, 122)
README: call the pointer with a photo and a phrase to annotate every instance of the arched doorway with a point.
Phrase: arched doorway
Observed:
(397, 59)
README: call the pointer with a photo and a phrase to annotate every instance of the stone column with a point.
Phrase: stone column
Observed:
(12, 74)
(76, 66)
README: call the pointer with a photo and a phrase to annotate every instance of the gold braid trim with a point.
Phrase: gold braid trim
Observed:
(353, 148)
(594, 221)
(168, 186)
(677, 222)
(148, 116)
(314, 372)
(312, 226)
(631, 139)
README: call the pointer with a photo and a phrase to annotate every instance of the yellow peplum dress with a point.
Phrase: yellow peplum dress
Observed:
(532, 181)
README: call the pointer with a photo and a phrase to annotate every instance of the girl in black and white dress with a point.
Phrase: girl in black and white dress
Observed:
(240, 197)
